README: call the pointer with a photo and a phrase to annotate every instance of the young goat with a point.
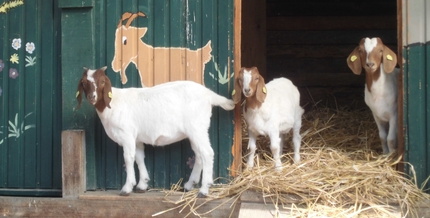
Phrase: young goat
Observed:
(271, 109)
(159, 116)
(380, 92)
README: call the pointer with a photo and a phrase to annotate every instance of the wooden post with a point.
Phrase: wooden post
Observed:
(73, 163)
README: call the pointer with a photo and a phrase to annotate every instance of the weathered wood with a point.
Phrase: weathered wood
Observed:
(254, 34)
(106, 204)
(73, 163)
(331, 23)
(329, 37)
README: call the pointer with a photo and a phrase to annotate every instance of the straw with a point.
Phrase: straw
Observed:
(342, 173)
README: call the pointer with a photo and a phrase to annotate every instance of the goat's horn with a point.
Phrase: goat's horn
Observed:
(125, 16)
(131, 18)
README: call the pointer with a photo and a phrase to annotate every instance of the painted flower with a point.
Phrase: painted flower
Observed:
(1, 65)
(14, 58)
(13, 73)
(16, 44)
(29, 47)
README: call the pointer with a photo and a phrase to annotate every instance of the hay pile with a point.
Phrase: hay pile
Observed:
(341, 173)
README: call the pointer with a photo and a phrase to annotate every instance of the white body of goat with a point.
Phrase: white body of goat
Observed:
(271, 109)
(159, 116)
(381, 88)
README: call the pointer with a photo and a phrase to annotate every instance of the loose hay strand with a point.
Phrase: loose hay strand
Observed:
(341, 173)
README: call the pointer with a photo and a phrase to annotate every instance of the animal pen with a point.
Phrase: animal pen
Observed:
(50, 150)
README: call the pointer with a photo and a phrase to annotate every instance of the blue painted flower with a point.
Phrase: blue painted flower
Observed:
(13, 73)
(16, 44)
(1, 65)
(29, 47)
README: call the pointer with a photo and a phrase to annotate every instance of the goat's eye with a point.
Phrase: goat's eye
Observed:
(257, 78)
(124, 40)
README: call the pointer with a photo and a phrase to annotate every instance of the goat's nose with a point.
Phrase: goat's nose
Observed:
(247, 90)
(370, 64)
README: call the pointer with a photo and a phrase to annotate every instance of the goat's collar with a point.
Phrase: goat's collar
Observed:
(252, 103)
(372, 77)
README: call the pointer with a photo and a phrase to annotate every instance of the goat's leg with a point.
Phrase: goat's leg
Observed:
(392, 135)
(252, 146)
(129, 155)
(297, 138)
(275, 142)
(143, 173)
(281, 144)
(382, 128)
(200, 141)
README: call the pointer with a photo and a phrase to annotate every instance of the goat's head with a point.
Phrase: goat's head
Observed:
(127, 39)
(369, 54)
(97, 88)
(250, 83)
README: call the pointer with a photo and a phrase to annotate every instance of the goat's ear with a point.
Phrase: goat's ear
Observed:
(261, 90)
(389, 59)
(354, 61)
(107, 92)
(79, 94)
(237, 91)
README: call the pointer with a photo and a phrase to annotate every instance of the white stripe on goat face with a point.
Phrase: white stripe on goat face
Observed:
(90, 77)
(369, 45)
(247, 78)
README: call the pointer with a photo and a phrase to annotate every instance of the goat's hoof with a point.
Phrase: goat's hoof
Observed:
(201, 195)
(125, 194)
(138, 190)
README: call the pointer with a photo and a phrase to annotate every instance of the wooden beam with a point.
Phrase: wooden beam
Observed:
(237, 138)
(74, 161)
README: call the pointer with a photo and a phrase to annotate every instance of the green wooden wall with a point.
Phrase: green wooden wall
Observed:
(416, 55)
(30, 108)
(87, 40)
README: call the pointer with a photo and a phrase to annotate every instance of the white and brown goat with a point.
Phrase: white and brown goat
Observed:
(271, 109)
(159, 116)
(380, 92)
(169, 63)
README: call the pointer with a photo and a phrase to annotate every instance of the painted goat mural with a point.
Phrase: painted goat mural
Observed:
(156, 64)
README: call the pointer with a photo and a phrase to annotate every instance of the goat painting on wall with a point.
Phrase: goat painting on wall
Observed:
(381, 88)
(130, 48)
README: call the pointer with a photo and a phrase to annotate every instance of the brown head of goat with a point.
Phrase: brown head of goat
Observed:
(97, 88)
(369, 55)
(251, 84)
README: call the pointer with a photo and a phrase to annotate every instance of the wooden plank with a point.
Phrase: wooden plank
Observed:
(237, 138)
(74, 161)
(107, 204)
(332, 37)
(331, 23)
(254, 34)
(330, 7)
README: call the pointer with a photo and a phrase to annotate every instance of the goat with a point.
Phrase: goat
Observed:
(159, 116)
(271, 109)
(130, 48)
(380, 92)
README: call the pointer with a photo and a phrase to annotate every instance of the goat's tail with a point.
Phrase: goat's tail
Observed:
(218, 100)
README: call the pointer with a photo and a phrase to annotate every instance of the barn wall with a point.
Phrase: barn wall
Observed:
(30, 100)
(308, 41)
(416, 63)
